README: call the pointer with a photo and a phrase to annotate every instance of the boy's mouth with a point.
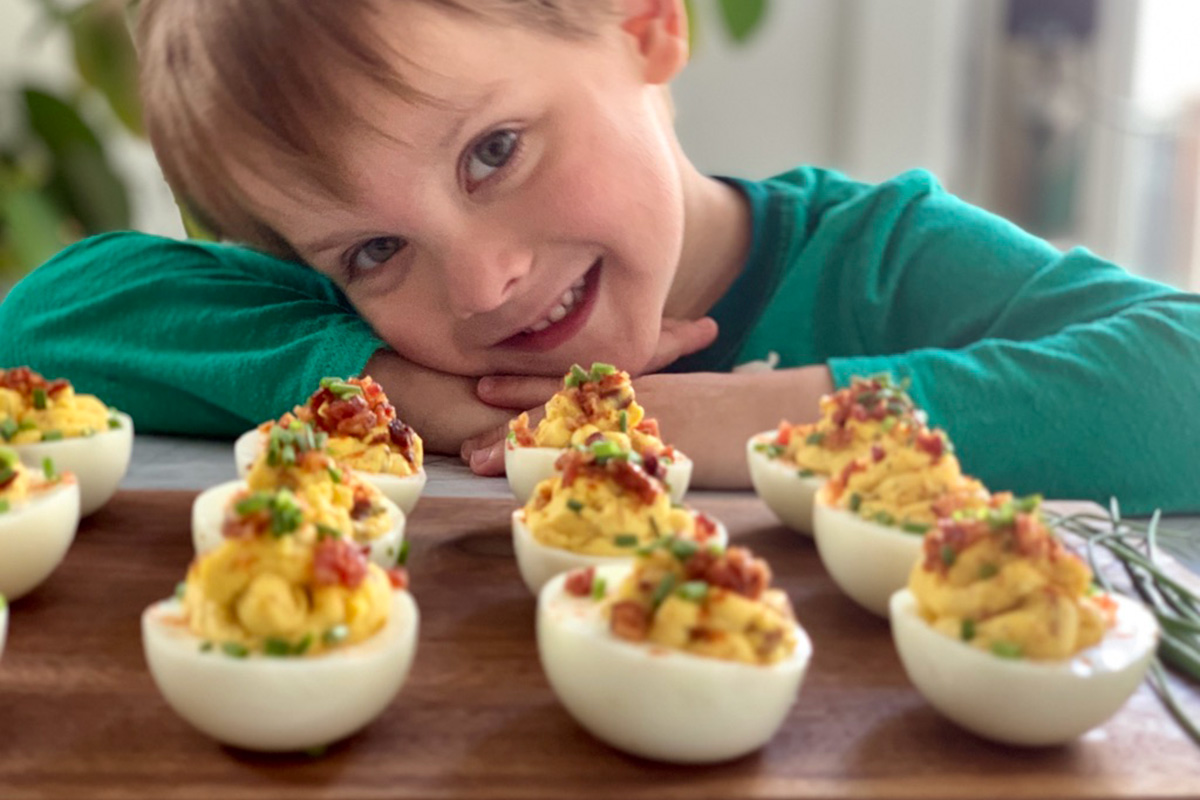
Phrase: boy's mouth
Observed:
(563, 320)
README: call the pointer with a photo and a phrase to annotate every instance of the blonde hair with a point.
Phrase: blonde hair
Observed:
(249, 83)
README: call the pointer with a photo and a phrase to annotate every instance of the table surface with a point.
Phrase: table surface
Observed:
(81, 717)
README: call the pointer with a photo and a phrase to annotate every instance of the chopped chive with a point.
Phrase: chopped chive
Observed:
(4, 506)
(114, 423)
(8, 457)
(48, 469)
(335, 474)
(599, 587)
(335, 635)
(327, 532)
(27, 425)
(575, 505)
(968, 630)
(258, 501)
(402, 556)
(340, 388)
(948, 555)
(605, 449)
(576, 377)
(884, 518)
(623, 419)
(663, 589)
(39, 399)
(235, 650)
(1006, 649)
(654, 526)
(206, 647)
(805, 473)
(301, 647)
(888, 423)
(987, 571)
(816, 437)
(855, 501)
(180, 589)
(625, 540)
(277, 647)
(914, 527)
(600, 369)
(693, 591)
(6, 474)
(512, 436)
(682, 549)
(9, 427)
(51, 436)
(775, 450)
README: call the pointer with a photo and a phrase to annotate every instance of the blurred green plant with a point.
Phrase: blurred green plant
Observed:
(57, 183)
(740, 19)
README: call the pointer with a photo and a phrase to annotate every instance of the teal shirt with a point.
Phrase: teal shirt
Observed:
(1052, 372)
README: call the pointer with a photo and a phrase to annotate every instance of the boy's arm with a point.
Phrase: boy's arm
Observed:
(1053, 372)
(209, 340)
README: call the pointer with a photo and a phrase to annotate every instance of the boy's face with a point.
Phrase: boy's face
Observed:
(531, 218)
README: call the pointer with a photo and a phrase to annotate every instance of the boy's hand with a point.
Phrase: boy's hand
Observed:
(709, 416)
(442, 408)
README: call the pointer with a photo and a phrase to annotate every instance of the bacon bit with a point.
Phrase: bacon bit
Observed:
(880, 412)
(24, 380)
(598, 436)
(520, 429)
(838, 439)
(57, 385)
(877, 453)
(612, 383)
(630, 621)
(362, 504)
(1107, 606)
(631, 477)
(339, 562)
(1032, 539)
(859, 414)
(651, 464)
(398, 577)
(705, 528)
(402, 437)
(931, 443)
(784, 435)
(12, 477)
(589, 403)
(957, 535)
(579, 582)
(736, 570)
(649, 427)
(245, 527)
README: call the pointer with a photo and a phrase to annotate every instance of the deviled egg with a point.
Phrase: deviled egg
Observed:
(1002, 631)
(602, 505)
(685, 656)
(600, 400)
(284, 637)
(788, 465)
(362, 432)
(42, 419)
(868, 520)
(337, 498)
(39, 514)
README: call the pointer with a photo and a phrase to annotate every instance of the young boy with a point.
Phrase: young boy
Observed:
(487, 191)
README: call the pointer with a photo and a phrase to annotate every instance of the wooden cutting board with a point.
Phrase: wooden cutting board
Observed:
(80, 716)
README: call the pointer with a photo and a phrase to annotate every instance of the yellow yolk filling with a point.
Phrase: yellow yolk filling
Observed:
(902, 487)
(822, 458)
(725, 625)
(596, 517)
(377, 458)
(1032, 607)
(66, 413)
(250, 590)
(20, 488)
(329, 501)
(566, 423)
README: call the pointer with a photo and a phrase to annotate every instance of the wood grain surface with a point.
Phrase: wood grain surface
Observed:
(80, 716)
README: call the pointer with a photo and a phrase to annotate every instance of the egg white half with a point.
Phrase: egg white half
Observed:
(1022, 701)
(404, 491)
(780, 486)
(34, 537)
(868, 561)
(526, 467)
(279, 704)
(655, 702)
(99, 462)
(538, 563)
(208, 516)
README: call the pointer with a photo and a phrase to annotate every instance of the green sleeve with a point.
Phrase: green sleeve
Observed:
(1053, 372)
(187, 338)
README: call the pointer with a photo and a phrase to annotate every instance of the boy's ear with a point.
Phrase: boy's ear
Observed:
(660, 32)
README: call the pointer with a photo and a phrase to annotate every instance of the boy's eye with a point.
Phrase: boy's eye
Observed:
(490, 154)
(375, 252)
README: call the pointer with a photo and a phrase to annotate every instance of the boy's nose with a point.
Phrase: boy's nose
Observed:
(481, 278)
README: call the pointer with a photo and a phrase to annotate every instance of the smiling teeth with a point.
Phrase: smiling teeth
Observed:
(565, 303)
